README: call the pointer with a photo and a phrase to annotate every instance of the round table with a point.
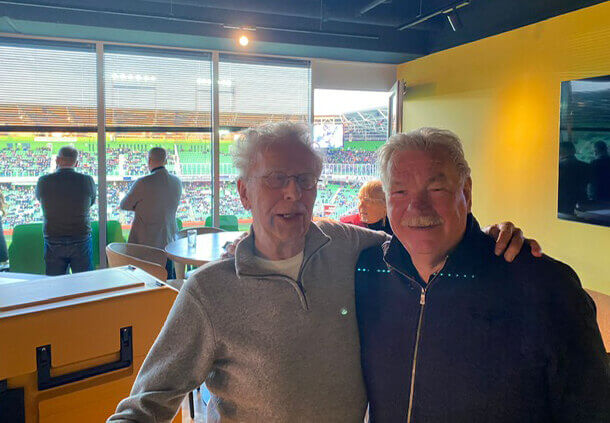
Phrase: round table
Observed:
(209, 247)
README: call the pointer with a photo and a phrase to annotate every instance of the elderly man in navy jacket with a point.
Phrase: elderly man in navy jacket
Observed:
(452, 333)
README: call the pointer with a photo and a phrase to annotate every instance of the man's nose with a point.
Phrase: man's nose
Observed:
(292, 190)
(420, 202)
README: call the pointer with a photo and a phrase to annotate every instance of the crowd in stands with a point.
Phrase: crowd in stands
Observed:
(337, 156)
(195, 205)
(24, 162)
(125, 159)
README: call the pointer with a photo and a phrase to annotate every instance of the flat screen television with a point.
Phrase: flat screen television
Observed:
(584, 144)
(328, 135)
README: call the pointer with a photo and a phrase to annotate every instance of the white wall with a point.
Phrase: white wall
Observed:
(340, 75)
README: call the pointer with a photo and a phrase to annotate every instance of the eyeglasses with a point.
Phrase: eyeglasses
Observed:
(277, 180)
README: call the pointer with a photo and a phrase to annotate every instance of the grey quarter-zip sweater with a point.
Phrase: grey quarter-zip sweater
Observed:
(269, 348)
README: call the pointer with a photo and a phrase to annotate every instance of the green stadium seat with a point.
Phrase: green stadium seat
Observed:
(26, 252)
(179, 223)
(228, 222)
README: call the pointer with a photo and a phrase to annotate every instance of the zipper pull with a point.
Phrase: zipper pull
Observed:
(422, 299)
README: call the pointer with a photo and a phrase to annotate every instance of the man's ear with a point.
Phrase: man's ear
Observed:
(468, 193)
(243, 193)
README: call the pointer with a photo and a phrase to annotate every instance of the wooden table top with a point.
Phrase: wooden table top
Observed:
(208, 248)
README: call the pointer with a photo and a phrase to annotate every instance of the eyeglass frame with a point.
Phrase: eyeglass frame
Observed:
(266, 177)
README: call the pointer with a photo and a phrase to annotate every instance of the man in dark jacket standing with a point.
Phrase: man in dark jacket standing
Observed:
(452, 333)
(66, 197)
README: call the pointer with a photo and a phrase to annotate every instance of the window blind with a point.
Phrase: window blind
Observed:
(160, 88)
(255, 89)
(47, 84)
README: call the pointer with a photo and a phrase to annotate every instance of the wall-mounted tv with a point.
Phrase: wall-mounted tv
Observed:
(584, 146)
(328, 135)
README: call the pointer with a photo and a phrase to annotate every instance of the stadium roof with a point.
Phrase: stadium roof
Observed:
(363, 30)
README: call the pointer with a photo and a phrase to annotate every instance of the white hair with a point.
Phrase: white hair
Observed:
(423, 139)
(254, 140)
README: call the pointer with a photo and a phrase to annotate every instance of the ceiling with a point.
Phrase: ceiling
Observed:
(388, 31)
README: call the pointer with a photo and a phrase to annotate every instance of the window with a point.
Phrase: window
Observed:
(47, 100)
(254, 91)
(157, 98)
(349, 126)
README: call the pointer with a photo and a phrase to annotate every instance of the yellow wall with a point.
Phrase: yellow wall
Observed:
(501, 96)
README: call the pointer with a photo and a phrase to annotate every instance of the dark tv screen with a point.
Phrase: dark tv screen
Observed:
(584, 147)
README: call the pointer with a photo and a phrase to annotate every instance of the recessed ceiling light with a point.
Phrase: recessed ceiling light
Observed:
(243, 41)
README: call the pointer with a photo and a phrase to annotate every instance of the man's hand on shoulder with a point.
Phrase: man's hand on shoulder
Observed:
(510, 240)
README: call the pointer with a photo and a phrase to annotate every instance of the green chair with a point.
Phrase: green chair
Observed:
(179, 223)
(114, 233)
(26, 252)
(228, 222)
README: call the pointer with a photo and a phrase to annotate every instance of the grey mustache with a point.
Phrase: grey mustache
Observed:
(422, 221)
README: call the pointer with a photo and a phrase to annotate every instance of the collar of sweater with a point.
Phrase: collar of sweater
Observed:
(245, 264)
(465, 261)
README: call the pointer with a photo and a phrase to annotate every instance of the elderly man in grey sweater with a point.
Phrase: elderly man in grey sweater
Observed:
(272, 332)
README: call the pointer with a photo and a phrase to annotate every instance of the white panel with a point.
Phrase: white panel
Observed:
(339, 75)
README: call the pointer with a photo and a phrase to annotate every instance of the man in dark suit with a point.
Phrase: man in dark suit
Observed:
(154, 198)
(573, 178)
(66, 197)
(600, 172)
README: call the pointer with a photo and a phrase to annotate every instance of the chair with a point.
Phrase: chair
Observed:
(228, 222)
(26, 252)
(151, 260)
(602, 304)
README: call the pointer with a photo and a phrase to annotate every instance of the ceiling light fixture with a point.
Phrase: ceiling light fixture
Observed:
(454, 20)
(420, 19)
(243, 41)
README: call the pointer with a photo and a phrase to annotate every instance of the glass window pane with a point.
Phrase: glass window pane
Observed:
(349, 126)
(189, 158)
(47, 84)
(24, 157)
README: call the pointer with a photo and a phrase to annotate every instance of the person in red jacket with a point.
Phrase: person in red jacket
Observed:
(371, 208)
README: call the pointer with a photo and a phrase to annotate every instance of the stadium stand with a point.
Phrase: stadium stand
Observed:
(26, 156)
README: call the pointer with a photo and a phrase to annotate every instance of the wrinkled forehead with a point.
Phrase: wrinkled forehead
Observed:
(285, 155)
(433, 164)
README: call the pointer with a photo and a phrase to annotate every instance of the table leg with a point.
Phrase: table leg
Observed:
(180, 269)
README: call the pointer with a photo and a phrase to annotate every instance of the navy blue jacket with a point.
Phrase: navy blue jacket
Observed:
(483, 341)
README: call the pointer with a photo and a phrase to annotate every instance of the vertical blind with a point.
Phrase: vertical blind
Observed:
(47, 83)
(147, 87)
(254, 89)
